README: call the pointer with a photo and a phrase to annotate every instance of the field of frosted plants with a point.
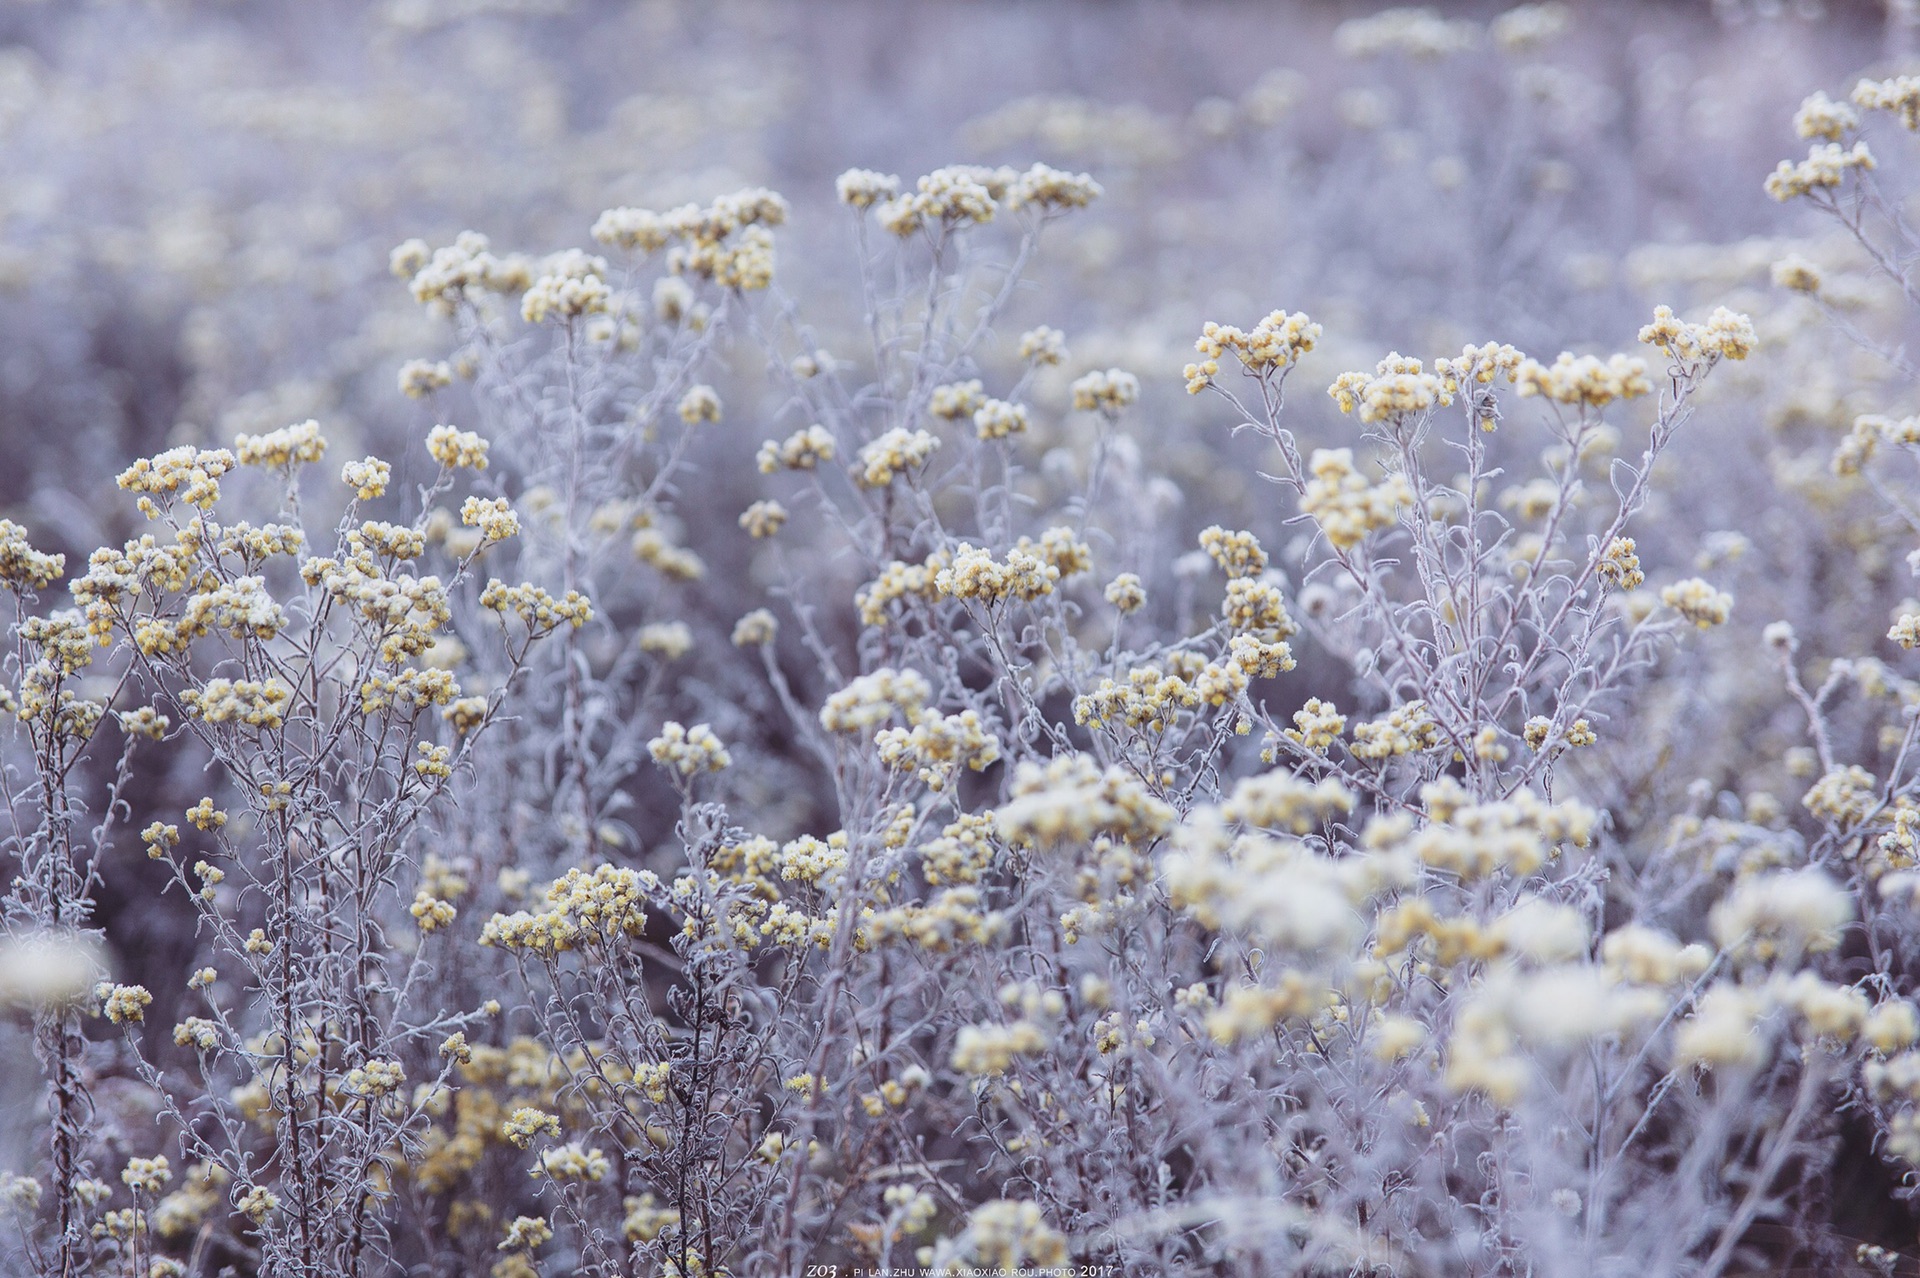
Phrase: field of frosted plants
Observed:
(655, 639)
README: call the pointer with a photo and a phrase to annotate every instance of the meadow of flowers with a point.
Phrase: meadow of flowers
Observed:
(652, 639)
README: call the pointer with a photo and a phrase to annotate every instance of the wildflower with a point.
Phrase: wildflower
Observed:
(1821, 117)
(419, 378)
(1619, 565)
(1398, 387)
(198, 1033)
(802, 450)
(282, 449)
(894, 453)
(571, 284)
(258, 1203)
(953, 401)
(863, 188)
(668, 639)
(526, 1232)
(1238, 553)
(1317, 725)
(997, 419)
(494, 517)
(125, 1004)
(1345, 505)
(1899, 95)
(457, 449)
(1126, 593)
(699, 404)
(1043, 345)
(1584, 380)
(373, 1079)
(1108, 392)
(1698, 602)
(1782, 915)
(147, 1175)
(430, 912)
(526, 1123)
(1797, 274)
(1725, 335)
(872, 700)
(688, 751)
(1825, 167)
(763, 518)
(22, 567)
(572, 1162)
(755, 630)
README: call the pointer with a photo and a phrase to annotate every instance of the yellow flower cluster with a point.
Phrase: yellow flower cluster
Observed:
(998, 419)
(1406, 729)
(191, 473)
(982, 1050)
(688, 751)
(1238, 553)
(893, 453)
(1781, 915)
(572, 1162)
(493, 516)
(952, 401)
(1584, 380)
(1477, 840)
(374, 1079)
(1899, 95)
(1002, 1236)
(457, 449)
(1397, 387)
(1043, 345)
(802, 450)
(22, 567)
(1070, 798)
(937, 746)
(1620, 564)
(1826, 167)
(864, 188)
(954, 917)
(1478, 366)
(609, 903)
(756, 629)
(699, 404)
(539, 611)
(763, 518)
(420, 378)
(1275, 344)
(440, 278)
(1725, 335)
(871, 701)
(1821, 117)
(571, 283)
(1126, 593)
(281, 449)
(964, 194)
(368, 477)
(973, 573)
(124, 1004)
(1285, 802)
(669, 639)
(1844, 796)
(252, 702)
(409, 689)
(1107, 392)
(1316, 726)
(1345, 505)
(1698, 602)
